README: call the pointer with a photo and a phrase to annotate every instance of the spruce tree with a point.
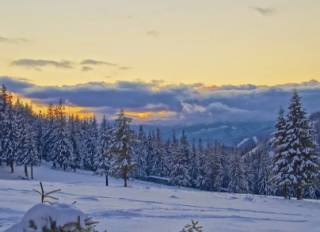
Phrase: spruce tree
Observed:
(140, 154)
(238, 181)
(280, 170)
(120, 147)
(62, 153)
(74, 135)
(104, 157)
(181, 160)
(303, 161)
(90, 144)
(8, 133)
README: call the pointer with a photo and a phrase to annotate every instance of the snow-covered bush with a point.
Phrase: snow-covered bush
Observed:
(54, 218)
(193, 227)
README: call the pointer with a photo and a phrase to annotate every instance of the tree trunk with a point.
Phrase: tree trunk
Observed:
(26, 171)
(31, 171)
(107, 179)
(299, 192)
(125, 179)
(12, 166)
(286, 192)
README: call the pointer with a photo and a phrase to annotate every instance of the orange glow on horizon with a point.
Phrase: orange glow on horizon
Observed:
(149, 115)
(38, 107)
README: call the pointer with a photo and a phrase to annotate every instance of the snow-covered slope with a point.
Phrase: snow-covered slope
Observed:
(151, 207)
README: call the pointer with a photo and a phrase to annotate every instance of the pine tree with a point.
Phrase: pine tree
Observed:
(22, 132)
(201, 161)
(303, 160)
(62, 153)
(48, 139)
(28, 154)
(90, 144)
(121, 148)
(180, 170)
(258, 170)
(158, 162)
(238, 181)
(281, 176)
(74, 135)
(193, 165)
(149, 159)
(140, 154)
(8, 134)
(104, 157)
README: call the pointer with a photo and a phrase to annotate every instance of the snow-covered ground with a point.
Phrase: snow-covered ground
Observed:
(151, 207)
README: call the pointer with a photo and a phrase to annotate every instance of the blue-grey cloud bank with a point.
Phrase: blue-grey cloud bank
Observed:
(184, 104)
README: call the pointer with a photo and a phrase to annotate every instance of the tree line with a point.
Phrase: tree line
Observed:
(286, 165)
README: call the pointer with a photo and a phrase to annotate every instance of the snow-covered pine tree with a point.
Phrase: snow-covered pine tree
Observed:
(62, 153)
(48, 128)
(28, 154)
(38, 125)
(238, 181)
(258, 170)
(74, 135)
(181, 160)
(222, 179)
(201, 160)
(167, 158)
(303, 160)
(140, 154)
(149, 159)
(104, 155)
(211, 167)
(158, 162)
(194, 164)
(280, 161)
(90, 144)
(8, 135)
(3, 123)
(32, 136)
(21, 130)
(121, 148)
(221, 166)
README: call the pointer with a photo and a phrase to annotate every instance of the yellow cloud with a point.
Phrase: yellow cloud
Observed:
(38, 107)
(149, 115)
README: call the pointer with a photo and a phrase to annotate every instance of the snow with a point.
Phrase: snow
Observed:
(41, 214)
(152, 207)
(243, 142)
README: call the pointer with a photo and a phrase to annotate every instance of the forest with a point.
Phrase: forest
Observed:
(285, 164)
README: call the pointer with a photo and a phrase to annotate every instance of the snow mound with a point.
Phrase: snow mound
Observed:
(40, 216)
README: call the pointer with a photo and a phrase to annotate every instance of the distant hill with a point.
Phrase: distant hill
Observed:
(229, 133)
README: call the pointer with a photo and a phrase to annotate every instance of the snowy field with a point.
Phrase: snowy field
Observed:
(155, 208)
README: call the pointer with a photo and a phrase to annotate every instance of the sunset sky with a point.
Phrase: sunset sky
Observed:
(176, 41)
(157, 45)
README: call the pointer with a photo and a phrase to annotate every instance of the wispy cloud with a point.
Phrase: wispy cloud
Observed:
(97, 62)
(124, 68)
(12, 40)
(86, 69)
(40, 63)
(153, 33)
(264, 11)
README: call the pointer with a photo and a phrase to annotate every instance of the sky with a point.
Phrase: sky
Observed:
(163, 45)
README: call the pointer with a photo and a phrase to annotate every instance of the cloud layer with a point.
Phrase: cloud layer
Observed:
(85, 65)
(12, 40)
(40, 63)
(265, 11)
(175, 104)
